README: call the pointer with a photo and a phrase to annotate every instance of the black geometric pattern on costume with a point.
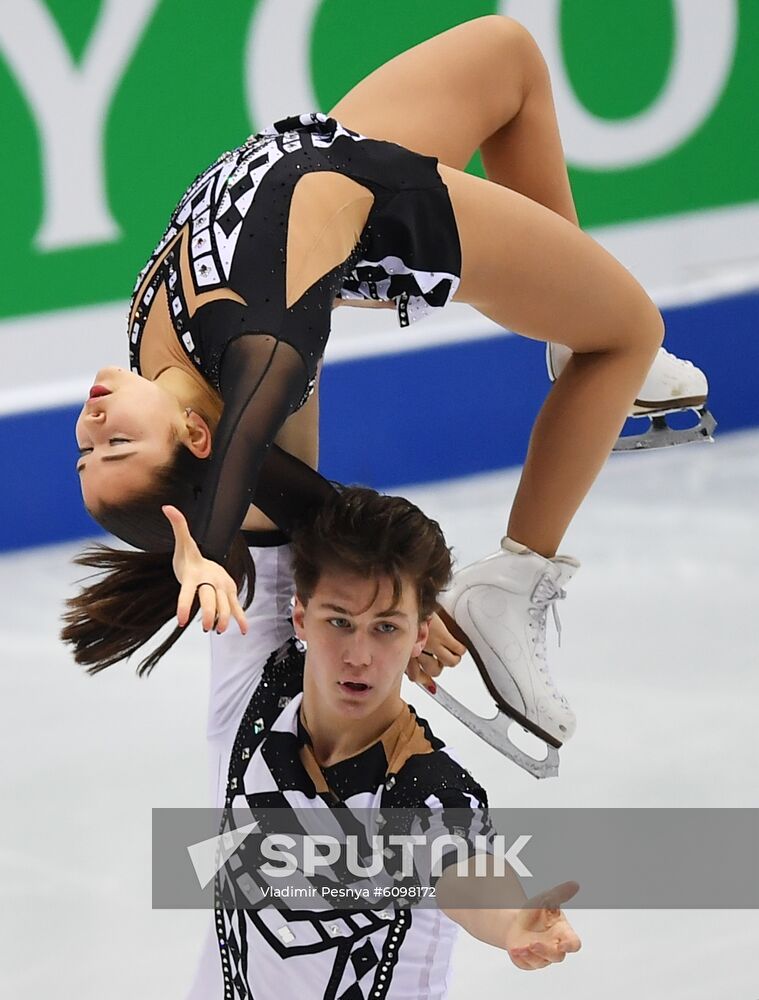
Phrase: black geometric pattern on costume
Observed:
(200, 209)
(363, 957)
(450, 794)
(281, 680)
(237, 241)
(364, 946)
(378, 281)
(357, 965)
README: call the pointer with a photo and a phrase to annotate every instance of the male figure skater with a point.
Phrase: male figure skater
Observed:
(324, 726)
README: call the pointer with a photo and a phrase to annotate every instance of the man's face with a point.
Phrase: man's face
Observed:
(359, 642)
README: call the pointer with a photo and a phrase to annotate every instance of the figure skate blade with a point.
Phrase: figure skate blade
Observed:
(495, 732)
(661, 435)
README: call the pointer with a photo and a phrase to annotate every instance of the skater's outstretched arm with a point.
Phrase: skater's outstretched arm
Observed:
(262, 380)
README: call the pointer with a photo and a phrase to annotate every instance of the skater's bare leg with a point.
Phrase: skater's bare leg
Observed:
(481, 85)
(526, 153)
(533, 272)
(484, 84)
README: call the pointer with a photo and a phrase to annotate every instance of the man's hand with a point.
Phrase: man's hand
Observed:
(216, 590)
(494, 909)
(540, 933)
(442, 650)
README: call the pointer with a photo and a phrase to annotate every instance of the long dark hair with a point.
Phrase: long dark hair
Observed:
(135, 593)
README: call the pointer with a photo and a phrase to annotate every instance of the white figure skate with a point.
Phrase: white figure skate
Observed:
(672, 386)
(498, 608)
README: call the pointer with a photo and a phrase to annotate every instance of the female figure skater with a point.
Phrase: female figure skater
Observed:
(230, 316)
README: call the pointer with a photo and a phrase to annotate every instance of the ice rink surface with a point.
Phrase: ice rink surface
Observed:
(659, 657)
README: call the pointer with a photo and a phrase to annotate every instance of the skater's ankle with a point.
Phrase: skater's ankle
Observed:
(510, 544)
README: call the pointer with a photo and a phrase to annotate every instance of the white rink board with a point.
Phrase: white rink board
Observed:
(659, 658)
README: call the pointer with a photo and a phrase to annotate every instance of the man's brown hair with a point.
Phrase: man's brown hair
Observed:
(362, 532)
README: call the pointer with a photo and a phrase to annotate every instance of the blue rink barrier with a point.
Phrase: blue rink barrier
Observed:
(414, 417)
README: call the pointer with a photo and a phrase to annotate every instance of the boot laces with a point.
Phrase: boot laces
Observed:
(545, 595)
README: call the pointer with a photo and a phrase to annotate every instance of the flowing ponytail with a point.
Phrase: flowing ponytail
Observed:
(136, 592)
(135, 596)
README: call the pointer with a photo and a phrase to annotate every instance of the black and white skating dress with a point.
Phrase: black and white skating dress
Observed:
(220, 273)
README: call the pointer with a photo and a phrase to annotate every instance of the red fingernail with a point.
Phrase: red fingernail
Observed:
(432, 687)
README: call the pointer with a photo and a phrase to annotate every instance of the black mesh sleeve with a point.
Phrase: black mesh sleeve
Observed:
(262, 380)
(288, 491)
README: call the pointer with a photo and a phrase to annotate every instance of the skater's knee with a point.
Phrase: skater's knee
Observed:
(645, 327)
(635, 336)
(520, 50)
(516, 46)
(510, 31)
(631, 326)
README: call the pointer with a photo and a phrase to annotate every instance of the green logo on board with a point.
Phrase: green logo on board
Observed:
(113, 107)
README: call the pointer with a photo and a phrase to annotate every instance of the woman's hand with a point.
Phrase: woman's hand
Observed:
(216, 590)
(442, 650)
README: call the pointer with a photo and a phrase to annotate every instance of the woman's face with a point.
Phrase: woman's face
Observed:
(126, 430)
